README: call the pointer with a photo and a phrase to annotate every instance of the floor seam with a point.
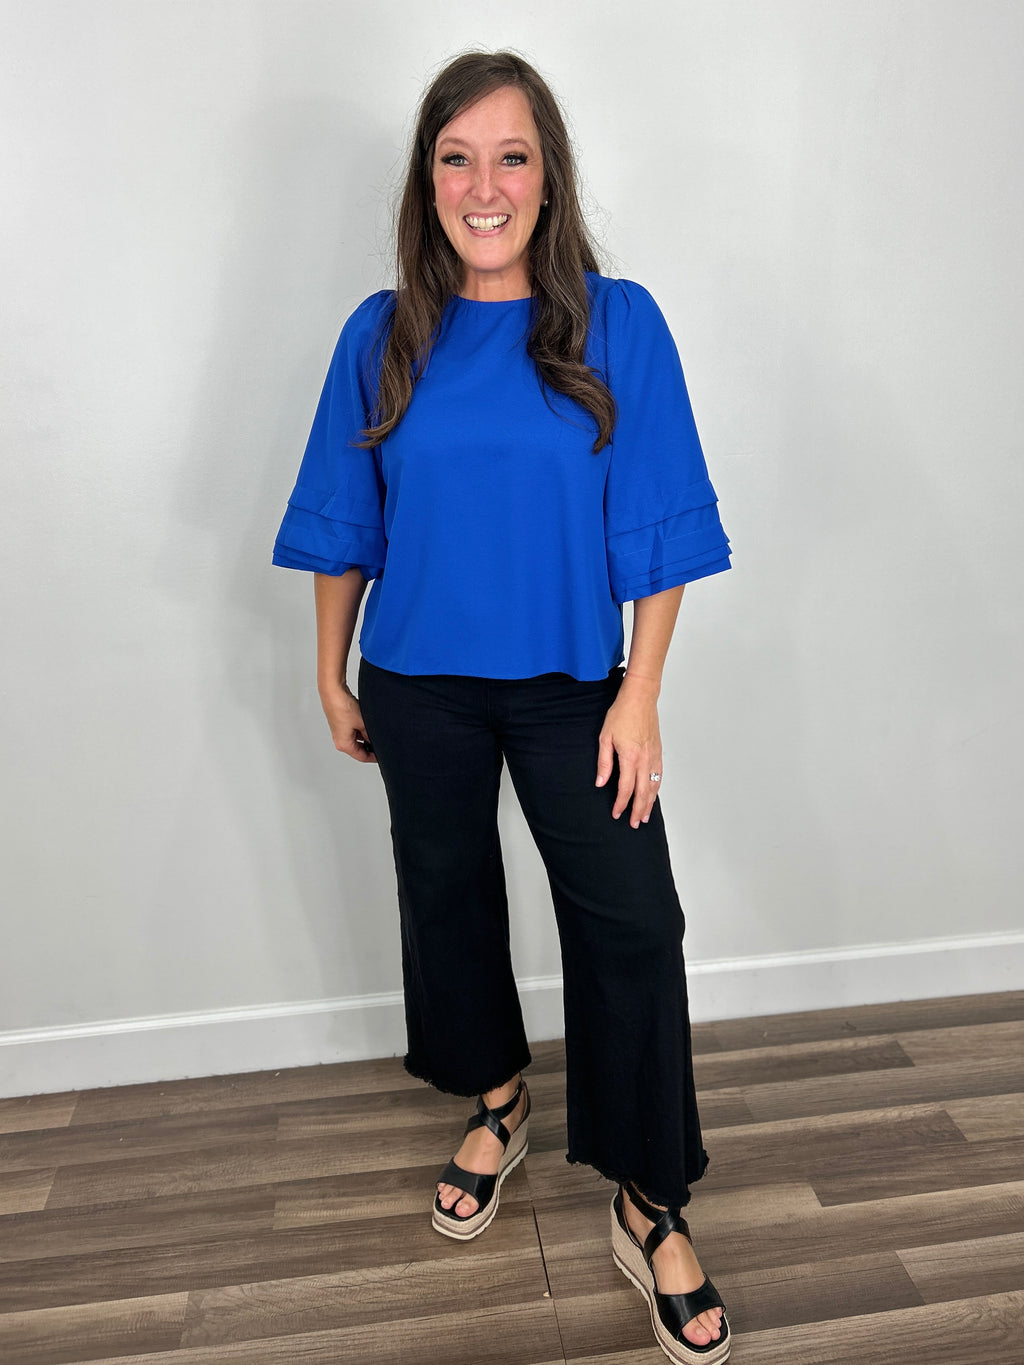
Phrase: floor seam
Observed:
(547, 1281)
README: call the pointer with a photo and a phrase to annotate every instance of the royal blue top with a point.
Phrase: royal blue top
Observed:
(499, 544)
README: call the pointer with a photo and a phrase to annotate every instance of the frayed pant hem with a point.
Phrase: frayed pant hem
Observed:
(654, 1194)
(447, 1086)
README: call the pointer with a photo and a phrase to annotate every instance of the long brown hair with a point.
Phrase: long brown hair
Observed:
(430, 272)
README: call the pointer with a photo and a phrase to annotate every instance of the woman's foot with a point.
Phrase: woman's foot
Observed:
(481, 1151)
(677, 1271)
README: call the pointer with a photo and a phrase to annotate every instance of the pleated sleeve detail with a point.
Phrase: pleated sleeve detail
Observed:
(335, 515)
(662, 526)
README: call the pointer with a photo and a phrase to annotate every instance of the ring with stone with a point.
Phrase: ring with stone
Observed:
(655, 777)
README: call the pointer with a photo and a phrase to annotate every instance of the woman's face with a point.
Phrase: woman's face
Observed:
(488, 187)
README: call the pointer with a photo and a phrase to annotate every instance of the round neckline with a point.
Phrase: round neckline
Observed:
(492, 303)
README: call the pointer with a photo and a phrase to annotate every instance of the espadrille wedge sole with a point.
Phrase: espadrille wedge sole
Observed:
(669, 1312)
(485, 1189)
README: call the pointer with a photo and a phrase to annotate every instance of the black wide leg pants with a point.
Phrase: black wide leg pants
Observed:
(441, 741)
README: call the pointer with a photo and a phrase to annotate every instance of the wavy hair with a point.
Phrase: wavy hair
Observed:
(430, 271)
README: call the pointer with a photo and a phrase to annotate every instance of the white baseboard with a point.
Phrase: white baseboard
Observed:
(868, 974)
(268, 1037)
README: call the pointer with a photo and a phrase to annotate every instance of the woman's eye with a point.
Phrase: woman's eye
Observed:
(515, 158)
(453, 159)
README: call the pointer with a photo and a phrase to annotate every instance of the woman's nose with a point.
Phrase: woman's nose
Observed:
(484, 187)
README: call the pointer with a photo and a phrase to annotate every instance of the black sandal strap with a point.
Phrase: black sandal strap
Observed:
(491, 1118)
(650, 1211)
(503, 1110)
(666, 1221)
(477, 1186)
(676, 1310)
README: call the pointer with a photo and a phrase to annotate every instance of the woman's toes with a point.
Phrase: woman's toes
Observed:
(449, 1195)
(695, 1333)
(704, 1328)
(711, 1322)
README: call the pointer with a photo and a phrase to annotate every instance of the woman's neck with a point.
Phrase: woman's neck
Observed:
(486, 286)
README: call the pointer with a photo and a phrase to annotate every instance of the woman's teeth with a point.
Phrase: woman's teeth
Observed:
(487, 224)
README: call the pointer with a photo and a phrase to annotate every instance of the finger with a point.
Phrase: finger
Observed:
(646, 796)
(350, 744)
(643, 800)
(627, 785)
(366, 746)
(605, 760)
(653, 788)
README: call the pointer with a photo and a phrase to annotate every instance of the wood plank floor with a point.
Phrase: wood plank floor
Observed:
(865, 1202)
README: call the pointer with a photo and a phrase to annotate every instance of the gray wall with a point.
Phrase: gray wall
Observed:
(826, 200)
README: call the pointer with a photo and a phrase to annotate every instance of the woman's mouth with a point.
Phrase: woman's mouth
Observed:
(493, 223)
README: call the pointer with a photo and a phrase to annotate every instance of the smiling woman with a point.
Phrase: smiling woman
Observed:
(505, 445)
(489, 191)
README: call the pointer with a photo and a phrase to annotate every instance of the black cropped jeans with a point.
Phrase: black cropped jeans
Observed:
(441, 741)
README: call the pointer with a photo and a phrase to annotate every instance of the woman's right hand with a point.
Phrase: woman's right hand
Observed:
(346, 721)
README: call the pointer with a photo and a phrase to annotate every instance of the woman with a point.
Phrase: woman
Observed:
(505, 446)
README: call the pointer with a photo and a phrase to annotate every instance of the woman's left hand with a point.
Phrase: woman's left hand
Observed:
(632, 732)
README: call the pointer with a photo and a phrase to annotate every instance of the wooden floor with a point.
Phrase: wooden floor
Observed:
(865, 1202)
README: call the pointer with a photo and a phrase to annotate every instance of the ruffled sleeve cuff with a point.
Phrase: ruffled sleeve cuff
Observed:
(680, 548)
(328, 532)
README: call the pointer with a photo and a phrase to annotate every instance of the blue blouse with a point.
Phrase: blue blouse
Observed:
(499, 544)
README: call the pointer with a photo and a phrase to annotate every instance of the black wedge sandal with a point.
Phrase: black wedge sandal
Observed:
(670, 1313)
(485, 1189)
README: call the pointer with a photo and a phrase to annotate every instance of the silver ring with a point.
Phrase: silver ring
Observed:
(655, 777)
